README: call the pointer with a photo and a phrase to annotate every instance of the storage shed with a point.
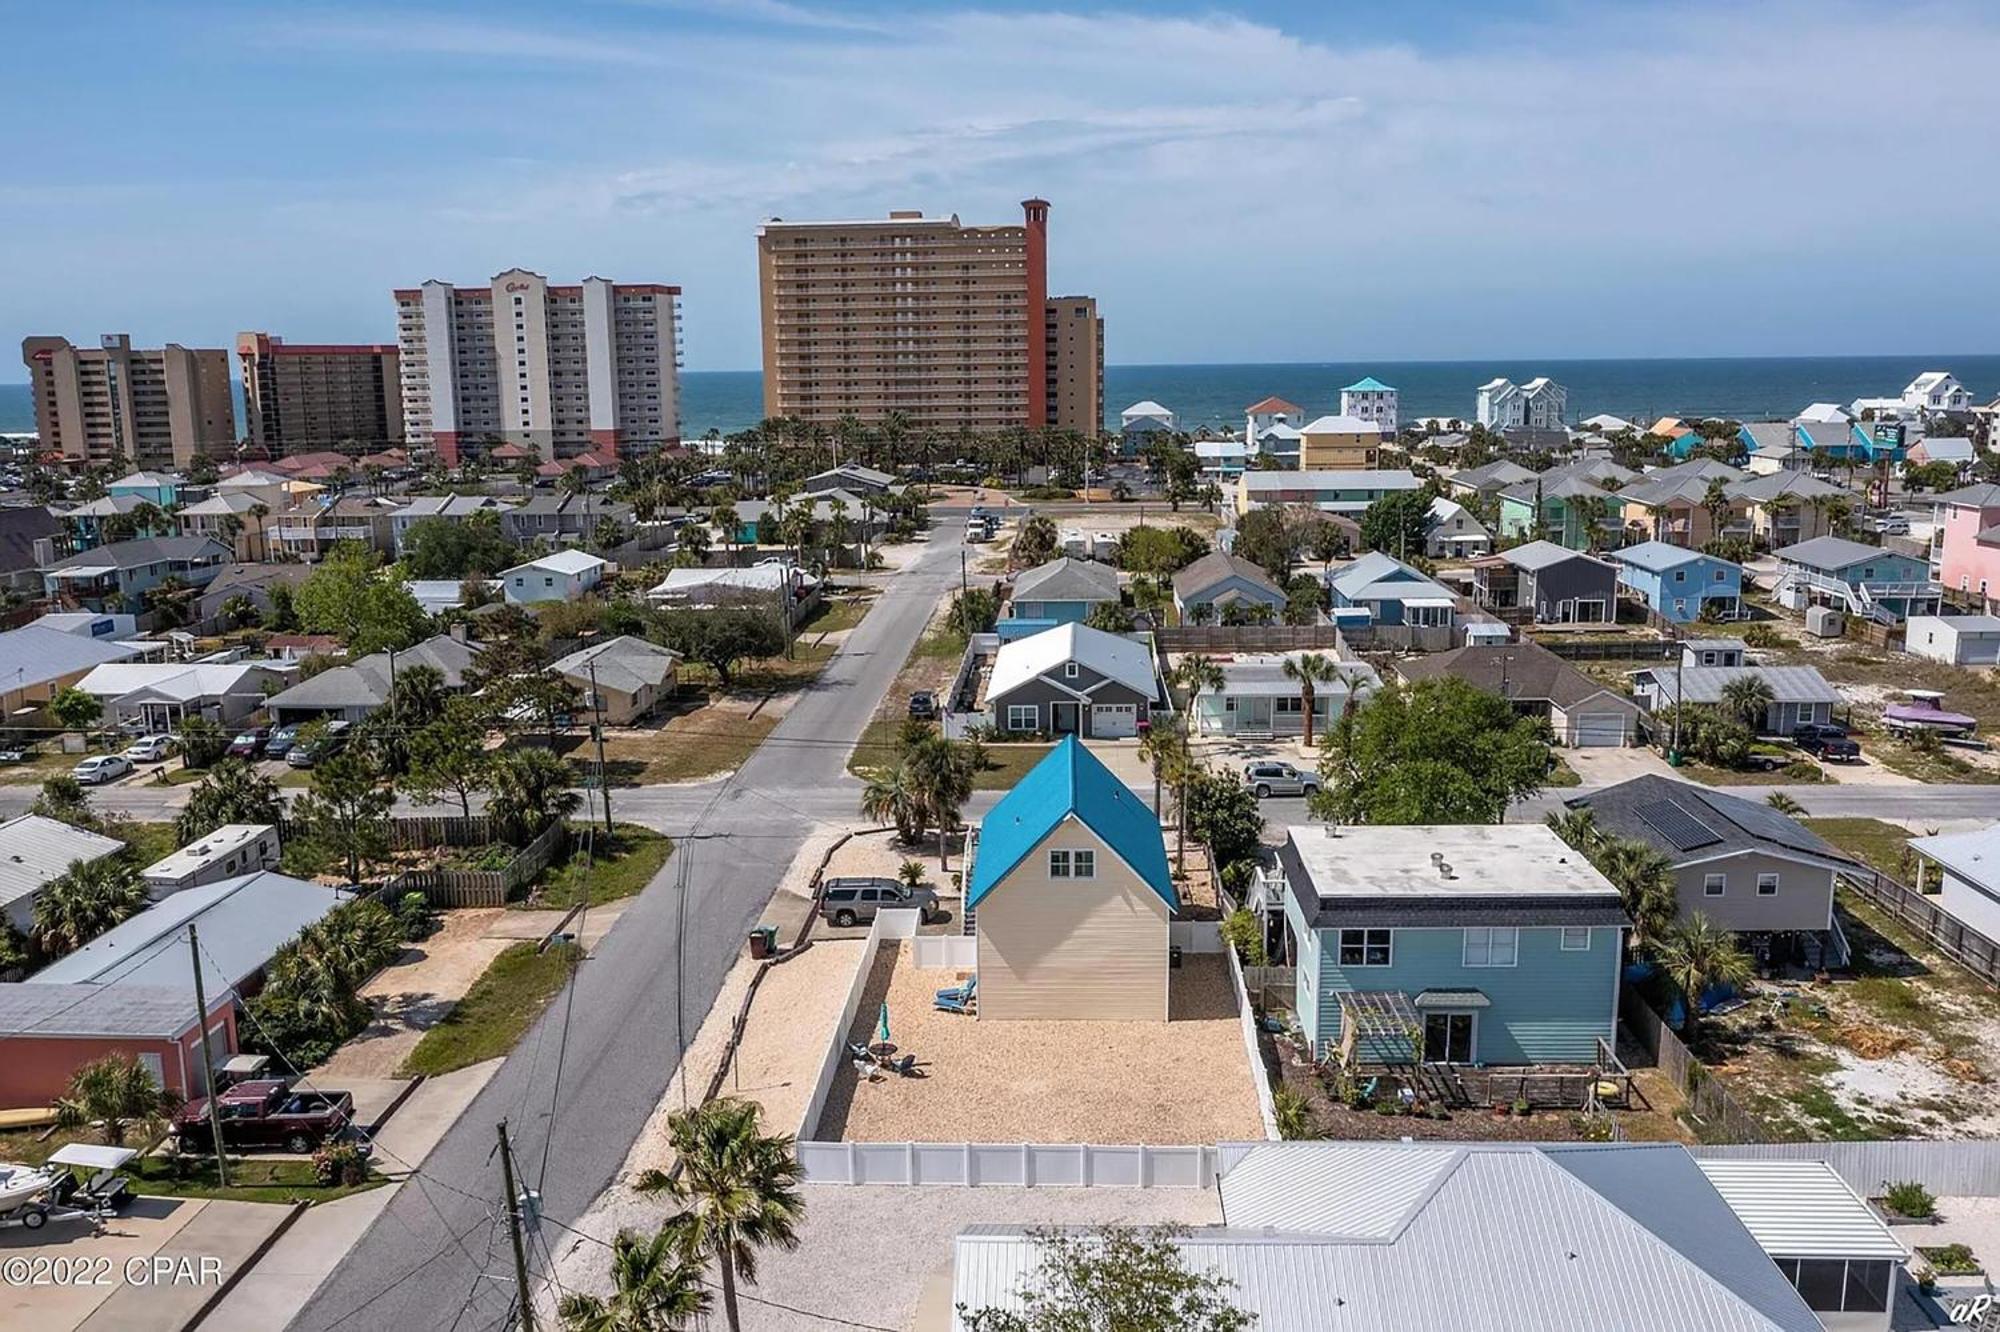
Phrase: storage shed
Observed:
(1070, 897)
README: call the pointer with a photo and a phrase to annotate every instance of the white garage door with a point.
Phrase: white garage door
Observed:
(1109, 721)
(1596, 730)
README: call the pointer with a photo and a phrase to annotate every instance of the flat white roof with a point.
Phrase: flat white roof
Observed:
(1801, 1209)
(1483, 860)
(35, 849)
(229, 838)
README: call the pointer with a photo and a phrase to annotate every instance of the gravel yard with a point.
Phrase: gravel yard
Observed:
(1182, 1081)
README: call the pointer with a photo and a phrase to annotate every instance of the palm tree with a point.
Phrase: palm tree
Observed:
(233, 792)
(260, 511)
(114, 1093)
(891, 797)
(1578, 830)
(656, 1287)
(87, 899)
(1311, 669)
(940, 777)
(1695, 955)
(1784, 804)
(1749, 698)
(1644, 878)
(738, 1190)
(530, 789)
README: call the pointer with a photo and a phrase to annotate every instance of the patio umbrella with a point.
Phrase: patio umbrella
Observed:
(882, 1025)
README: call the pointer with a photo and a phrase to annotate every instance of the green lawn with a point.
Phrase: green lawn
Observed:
(500, 1006)
(836, 614)
(1870, 841)
(621, 866)
(147, 842)
(1801, 773)
(942, 641)
(40, 768)
(1008, 764)
(1563, 775)
(251, 1179)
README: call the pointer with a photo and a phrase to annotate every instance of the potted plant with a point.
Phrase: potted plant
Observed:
(1521, 1108)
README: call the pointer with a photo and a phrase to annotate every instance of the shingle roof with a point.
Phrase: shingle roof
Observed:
(1984, 495)
(1070, 781)
(1516, 671)
(20, 527)
(624, 663)
(1272, 404)
(145, 550)
(1830, 553)
(1704, 684)
(364, 682)
(1658, 556)
(1737, 824)
(1494, 475)
(1066, 579)
(1114, 656)
(1216, 566)
(1797, 485)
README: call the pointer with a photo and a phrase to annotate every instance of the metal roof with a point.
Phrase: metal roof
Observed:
(34, 850)
(242, 921)
(1832, 553)
(1539, 555)
(1659, 556)
(178, 680)
(34, 654)
(31, 1008)
(562, 562)
(142, 551)
(1973, 856)
(206, 850)
(1704, 684)
(624, 663)
(1801, 1209)
(1510, 1237)
(1070, 782)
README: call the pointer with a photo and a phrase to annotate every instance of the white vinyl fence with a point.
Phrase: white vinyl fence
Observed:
(948, 952)
(1195, 936)
(1965, 1169)
(1247, 1021)
(889, 926)
(1019, 1165)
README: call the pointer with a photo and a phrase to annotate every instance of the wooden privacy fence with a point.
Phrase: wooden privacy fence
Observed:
(414, 833)
(1952, 936)
(1612, 649)
(478, 888)
(1709, 1102)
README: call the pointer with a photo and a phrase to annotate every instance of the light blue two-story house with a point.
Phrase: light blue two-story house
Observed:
(118, 578)
(1885, 585)
(1379, 589)
(1063, 591)
(161, 488)
(1475, 944)
(1679, 584)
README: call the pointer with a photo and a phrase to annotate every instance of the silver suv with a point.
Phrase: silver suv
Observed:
(1278, 779)
(855, 901)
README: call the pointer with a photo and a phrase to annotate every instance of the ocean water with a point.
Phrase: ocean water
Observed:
(1763, 388)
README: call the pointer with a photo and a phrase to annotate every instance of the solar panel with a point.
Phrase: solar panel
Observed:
(1767, 823)
(1681, 828)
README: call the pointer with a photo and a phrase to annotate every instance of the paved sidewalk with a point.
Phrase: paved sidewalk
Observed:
(226, 1233)
(278, 1286)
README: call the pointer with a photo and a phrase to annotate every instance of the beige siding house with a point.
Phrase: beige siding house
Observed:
(1070, 898)
(626, 677)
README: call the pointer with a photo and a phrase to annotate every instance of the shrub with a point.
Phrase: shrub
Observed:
(339, 1163)
(1951, 1260)
(1243, 930)
(414, 913)
(1910, 1199)
(1521, 1106)
(1294, 1119)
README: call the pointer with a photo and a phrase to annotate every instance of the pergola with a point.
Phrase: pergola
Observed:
(1378, 1027)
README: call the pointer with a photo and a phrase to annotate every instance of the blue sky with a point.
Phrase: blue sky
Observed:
(1306, 181)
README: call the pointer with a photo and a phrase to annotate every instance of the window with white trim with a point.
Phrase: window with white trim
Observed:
(1767, 885)
(1576, 938)
(1366, 948)
(1714, 885)
(1492, 946)
(1069, 670)
(1023, 717)
(1067, 864)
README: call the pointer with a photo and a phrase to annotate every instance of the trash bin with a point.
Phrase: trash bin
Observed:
(1174, 957)
(763, 941)
(1673, 758)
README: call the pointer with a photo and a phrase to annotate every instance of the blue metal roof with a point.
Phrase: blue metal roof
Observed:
(1071, 780)
(1368, 385)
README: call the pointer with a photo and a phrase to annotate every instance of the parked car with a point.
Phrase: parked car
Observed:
(1278, 779)
(150, 749)
(267, 1112)
(1827, 741)
(923, 705)
(248, 744)
(102, 768)
(306, 752)
(855, 901)
(1894, 524)
(281, 741)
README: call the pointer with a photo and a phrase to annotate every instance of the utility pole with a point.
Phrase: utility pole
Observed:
(208, 1062)
(962, 583)
(597, 725)
(523, 1300)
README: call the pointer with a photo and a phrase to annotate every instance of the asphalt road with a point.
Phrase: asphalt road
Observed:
(439, 1257)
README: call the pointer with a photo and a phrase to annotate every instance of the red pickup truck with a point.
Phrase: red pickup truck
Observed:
(266, 1113)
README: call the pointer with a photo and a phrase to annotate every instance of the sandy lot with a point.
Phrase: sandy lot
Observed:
(1183, 1081)
(414, 994)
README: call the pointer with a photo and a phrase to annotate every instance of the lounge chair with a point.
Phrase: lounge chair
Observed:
(958, 998)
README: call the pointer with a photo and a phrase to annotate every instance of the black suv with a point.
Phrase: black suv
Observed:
(1826, 741)
(923, 705)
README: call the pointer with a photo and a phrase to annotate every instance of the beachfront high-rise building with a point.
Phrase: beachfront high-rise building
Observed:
(307, 397)
(944, 323)
(1369, 399)
(157, 407)
(1075, 334)
(561, 370)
